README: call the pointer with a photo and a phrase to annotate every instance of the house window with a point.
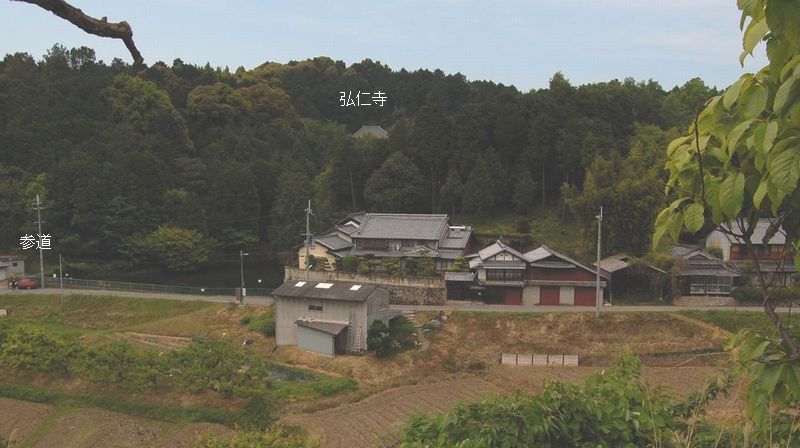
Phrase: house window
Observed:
(511, 275)
(315, 307)
(14, 264)
(709, 284)
(373, 244)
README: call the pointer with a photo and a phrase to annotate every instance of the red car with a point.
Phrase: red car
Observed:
(27, 283)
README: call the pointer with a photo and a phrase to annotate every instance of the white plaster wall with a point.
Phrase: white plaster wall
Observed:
(530, 295)
(567, 295)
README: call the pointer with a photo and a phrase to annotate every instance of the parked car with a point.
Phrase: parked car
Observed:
(27, 283)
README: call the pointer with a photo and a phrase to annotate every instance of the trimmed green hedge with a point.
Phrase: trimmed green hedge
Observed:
(752, 294)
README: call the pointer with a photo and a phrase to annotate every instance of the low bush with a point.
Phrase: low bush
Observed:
(264, 323)
(612, 408)
(26, 347)
(277, 437)
(205, 364)
(752, 295)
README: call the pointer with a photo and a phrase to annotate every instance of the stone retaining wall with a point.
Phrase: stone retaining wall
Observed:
(704, 301)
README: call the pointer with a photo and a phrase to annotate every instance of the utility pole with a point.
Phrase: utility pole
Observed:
(61, 282)
(309, 212)
(41, 255)
(598, 295)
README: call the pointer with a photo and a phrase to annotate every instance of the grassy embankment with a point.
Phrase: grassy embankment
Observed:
(94, 322)
(733, 321)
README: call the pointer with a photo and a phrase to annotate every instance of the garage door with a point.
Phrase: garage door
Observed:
(548, 295)
(585, 296)
(513, 296)
(315, 341)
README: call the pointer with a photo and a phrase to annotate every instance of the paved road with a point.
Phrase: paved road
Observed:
(143, 295)
(451, 306)
(466, 306)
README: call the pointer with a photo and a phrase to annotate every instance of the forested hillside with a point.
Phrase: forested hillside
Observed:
(176, 163)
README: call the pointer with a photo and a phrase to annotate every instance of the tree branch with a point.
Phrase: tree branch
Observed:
(102, 27)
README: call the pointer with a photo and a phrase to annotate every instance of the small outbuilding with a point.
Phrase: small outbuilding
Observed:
(633, 278)
(328, 317)
(12, 266)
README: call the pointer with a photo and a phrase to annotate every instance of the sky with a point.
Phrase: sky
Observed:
(522, 43)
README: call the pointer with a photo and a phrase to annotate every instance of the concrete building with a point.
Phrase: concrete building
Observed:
(328, 317)
(4, 271)
(14, 266)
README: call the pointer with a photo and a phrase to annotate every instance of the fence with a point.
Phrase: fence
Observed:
(76, 283)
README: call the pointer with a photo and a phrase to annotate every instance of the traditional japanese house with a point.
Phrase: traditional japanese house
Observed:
(775, 257)
(539, 277)
(698, 273)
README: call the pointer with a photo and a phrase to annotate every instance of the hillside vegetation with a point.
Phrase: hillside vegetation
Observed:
(180, 165)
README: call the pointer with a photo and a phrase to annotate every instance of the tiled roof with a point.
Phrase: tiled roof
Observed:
(459, 276)
(544, 252)
(402, 226)
(504, 264)
(333, 242)
(496, 248)
(456, 238)
(347, 291)
(372, 131)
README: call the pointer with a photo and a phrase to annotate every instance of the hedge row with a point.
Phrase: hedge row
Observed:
(752, 295)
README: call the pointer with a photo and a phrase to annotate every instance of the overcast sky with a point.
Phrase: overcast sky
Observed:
(511, 42)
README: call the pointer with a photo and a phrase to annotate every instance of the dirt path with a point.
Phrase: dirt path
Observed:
(19, 419)
(96, 428)
(717, 331)
(374, 419)
(156, 340)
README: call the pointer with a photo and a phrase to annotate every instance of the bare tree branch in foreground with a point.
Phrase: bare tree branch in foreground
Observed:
(102, 27)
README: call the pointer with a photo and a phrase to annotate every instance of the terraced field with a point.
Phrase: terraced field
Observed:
(373, 421)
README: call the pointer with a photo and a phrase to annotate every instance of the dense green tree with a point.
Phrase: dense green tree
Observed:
(233, 207)
(179, 248)
(287, 218)
(525, 190)
(395, 187)
(485, 186)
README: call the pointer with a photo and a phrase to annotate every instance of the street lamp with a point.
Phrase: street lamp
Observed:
(242, 254)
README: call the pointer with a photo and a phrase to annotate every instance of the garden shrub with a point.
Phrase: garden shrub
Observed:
(350, 263)
(385, 340)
